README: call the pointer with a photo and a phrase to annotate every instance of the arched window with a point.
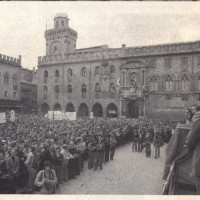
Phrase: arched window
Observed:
(46, 89)
(57, 73)
(184, 82)
(62, 23)
(14, 80)
(69, 72)
(45, 74)
(83, 71)
(97, 87)
(112, 69)
(69, 88)
(57, 90)
(6, 78)
(154, 84)
(169, 86)
(198, 82)
(112, 88)
(97, 70)
(83, 88)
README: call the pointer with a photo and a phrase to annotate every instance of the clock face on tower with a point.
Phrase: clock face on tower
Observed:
(56, 48)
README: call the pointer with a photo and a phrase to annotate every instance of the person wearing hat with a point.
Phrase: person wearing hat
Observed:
(156, 143)
(113, 143)
(91, 147)
(99, 153)
(135, 140)
(46, 179)
(148, 144)
(107, 147)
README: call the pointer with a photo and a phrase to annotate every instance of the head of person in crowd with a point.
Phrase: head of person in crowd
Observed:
(71, 144)
(13, 153)
(47, 165)
(33, 149)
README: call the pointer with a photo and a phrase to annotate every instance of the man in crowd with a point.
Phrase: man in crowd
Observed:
(99, 153)
(12, 165)
(135, 140)
(156, 142)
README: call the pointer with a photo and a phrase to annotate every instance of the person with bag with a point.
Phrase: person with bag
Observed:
(46, 179)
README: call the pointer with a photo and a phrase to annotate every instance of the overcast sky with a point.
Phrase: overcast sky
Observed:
(97, 23)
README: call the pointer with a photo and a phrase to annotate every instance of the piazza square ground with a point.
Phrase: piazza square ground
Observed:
(130, 173)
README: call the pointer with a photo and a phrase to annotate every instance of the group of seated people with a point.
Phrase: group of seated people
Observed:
(38, 155)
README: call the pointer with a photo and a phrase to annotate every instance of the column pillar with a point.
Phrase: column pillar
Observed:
(104, 112)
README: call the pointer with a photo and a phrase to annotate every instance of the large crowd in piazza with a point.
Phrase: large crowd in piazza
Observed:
(32, 145)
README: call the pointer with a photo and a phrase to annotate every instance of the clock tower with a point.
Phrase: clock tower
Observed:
(61, 39)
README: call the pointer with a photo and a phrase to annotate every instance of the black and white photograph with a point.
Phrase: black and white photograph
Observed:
(100, 98)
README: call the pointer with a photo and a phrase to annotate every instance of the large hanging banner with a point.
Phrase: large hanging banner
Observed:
(70, 115)
(2, 118)
(58, 115)
(55, 115)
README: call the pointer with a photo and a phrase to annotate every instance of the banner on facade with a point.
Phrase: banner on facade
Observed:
(2, 118)
(70, 115)
(55, 115)
(58, 115)
(91, 115)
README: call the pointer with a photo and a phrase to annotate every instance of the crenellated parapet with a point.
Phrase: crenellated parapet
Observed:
(175, 48)
(10, 60)
(82, 56)
(124, 51)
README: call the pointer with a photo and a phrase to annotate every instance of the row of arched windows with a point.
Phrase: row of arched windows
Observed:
(83, 88)
(69, 73)
(7, 79)
(57, 73)
(83, 72)
(169, 83)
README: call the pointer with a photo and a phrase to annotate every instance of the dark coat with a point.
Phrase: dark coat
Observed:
(193, 145)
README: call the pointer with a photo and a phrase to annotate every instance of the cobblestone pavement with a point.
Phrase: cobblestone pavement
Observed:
(129, 173)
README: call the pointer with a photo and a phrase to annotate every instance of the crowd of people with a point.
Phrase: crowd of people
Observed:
(37, 154)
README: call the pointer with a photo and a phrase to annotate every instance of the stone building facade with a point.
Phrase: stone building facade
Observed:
(153, 81)
(28, 90)
(10, 76)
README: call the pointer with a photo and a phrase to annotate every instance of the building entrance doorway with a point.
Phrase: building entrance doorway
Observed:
(133, 109)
